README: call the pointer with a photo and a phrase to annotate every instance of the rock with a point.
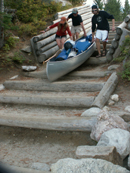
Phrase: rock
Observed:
(14, 77)
(88, 165)
(113, 67)
(110, 102)
(29, 68)
(64, 2)
(91, 112)
(40, 166)
(27, 49)
(2, 87)
(127, 108)
(115, 97)
(108, 153)
(105, 122)
(129, 162)
(118, 138)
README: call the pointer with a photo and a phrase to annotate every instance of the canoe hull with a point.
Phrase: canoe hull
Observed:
(57, 69)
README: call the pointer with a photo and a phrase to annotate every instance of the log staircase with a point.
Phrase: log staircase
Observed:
(31, 101)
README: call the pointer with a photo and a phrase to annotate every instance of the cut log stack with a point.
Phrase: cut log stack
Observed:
(121, 31)
(44, 45)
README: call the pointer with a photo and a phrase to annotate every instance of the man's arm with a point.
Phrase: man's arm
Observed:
(93, 33)
(82, 25)
(113, 24)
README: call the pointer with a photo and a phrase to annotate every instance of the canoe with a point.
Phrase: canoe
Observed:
(57, 69)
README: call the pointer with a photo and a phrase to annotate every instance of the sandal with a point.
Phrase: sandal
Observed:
(98, 56)
(104, 52)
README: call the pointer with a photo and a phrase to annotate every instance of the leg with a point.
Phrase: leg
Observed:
(77, 35)
(98, 46)
(58, 40)
(73, 35)
(62, 42)
(104, 48)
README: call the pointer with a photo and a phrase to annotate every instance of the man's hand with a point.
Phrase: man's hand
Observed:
(113, 28)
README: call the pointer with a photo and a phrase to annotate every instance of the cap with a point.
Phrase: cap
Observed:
(74, 11)
(63, 20)
(94, 7)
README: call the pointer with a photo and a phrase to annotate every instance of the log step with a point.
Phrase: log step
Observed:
(81, 100)
(65, 86)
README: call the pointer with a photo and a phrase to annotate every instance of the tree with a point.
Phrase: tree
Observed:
(99, 3)
(114, 7)
(1, 20)
(126, 9)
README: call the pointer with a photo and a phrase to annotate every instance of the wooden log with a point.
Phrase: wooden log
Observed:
(84, 17)
(45, 55)
(111, 50)
(120, 27)
(114, 44)
(128, 25)
(81, 12)
(44, 42)
(109, 56)
(44, 35)
(45, 48)
(117, 37)
(70, 10)
(106, 91)
(127, 18)
(120, 43)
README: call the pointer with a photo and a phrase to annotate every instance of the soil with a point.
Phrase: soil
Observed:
(40, 146)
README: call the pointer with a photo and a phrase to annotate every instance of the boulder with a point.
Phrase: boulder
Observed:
(127, 108)
(115, 97)
(116, 137)
(91, 112)
(108, 153)
(89, 165)
(105, 122)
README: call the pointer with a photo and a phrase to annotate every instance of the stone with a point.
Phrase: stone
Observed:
(116, 137)
(115, 97)
(40, 166)
(105, 122)
(29, 68)
(113, 67)
(14, 77)
(108, 153)
(27, 49)
(89, 165)
(127, 108)
(91, 112)
(110, 102)
(129, 162)
(2, 87)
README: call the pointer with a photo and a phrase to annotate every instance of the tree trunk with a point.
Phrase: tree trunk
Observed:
(1, 28)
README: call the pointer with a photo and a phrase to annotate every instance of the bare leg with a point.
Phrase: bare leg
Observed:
(73, 35)
(98, 46)
(77, 35)
(62, 42)
(104, 45)
(59, 43)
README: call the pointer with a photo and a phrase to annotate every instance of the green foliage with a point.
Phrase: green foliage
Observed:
(99, 3)
(18, 58)
(126, 72)
(5, 20)
(6, 48)
(125, 52)
(76, 2)
(126, 9)
(11, 41)
(114, 7)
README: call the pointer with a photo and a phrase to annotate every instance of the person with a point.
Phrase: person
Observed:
(61, 33)
(102, 29)
(77, 24)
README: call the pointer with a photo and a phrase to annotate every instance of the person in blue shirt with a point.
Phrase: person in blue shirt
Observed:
(101, 25)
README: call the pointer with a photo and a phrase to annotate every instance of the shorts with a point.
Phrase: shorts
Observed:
(75, 29)
(59, 37)
(102, 35)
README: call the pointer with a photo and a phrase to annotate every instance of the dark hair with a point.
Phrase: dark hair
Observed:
(94, 7)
